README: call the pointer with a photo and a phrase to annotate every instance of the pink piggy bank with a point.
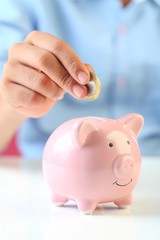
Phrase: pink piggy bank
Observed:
(94, 160)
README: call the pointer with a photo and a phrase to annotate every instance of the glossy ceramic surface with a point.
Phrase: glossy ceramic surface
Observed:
(94, 160)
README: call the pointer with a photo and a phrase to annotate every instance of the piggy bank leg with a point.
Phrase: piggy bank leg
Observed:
(124, 202)
(86, 206)
(58, 200)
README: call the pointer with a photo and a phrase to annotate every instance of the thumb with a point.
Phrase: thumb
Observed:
(89, 67)
(37, 112)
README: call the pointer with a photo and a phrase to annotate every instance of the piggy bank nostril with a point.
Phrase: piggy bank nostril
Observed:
(124, 166)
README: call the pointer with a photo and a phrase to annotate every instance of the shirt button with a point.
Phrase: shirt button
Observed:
(121, 82)
(122, 29)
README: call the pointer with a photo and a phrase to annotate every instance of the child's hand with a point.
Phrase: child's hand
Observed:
(38, 73)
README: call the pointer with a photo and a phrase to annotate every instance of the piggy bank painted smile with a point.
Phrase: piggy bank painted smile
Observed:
(94, 160)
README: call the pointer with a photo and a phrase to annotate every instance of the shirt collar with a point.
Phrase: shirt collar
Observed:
(140, 1)
(157, 1)
(137, 1)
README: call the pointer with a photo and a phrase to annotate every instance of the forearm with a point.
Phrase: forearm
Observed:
(10, 120)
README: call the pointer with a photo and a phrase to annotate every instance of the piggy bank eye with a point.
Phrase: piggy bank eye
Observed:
(128, 142)
(111, 144)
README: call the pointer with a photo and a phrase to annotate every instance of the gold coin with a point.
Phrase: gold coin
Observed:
(93, 88)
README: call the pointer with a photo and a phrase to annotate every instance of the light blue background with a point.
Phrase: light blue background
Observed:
(122, 45)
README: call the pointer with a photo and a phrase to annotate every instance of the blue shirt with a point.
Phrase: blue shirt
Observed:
(122, 45)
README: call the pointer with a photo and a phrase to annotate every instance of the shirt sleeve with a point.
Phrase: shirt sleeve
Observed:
(16, 21)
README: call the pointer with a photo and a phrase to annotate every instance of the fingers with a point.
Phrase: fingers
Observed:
(63, 52)
(39, 71)
(17, 96)
(33, 80)
(45, 61)
(25, 100)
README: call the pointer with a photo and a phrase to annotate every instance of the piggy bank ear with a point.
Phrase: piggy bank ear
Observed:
(86, 133)
(134, 122)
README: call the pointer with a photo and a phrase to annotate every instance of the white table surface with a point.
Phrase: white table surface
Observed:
(26, 212)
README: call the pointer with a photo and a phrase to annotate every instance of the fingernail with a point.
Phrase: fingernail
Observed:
(78, 90)
(83, 77)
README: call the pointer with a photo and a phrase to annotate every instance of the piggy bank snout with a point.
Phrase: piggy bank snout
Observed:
(124, 166)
